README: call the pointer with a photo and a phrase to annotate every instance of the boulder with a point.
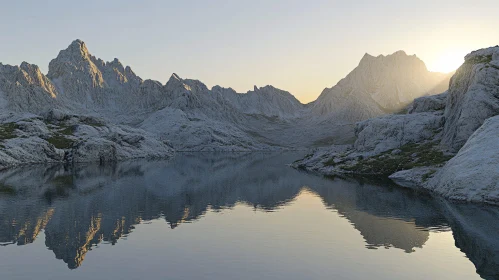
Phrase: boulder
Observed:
(378, 135)
(473, 174)
(428, 103)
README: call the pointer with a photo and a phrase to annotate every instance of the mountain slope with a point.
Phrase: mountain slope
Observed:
(379, 85)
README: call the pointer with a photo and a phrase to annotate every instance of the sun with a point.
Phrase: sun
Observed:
(447, 62)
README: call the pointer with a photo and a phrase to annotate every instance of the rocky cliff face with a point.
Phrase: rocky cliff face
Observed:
(472, 174)
(24, 88)
(473, 97)
(87, 82)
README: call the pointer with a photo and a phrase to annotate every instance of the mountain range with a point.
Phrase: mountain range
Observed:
(86, 105)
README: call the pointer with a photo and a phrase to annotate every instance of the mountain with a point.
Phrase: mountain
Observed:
(25, 89)
(268, 101)
(379, 85)
(446, 144)
(87, 103)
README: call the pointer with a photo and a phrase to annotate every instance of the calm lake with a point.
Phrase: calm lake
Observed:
(233, 216)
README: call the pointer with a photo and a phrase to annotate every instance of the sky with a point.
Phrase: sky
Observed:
(298, 46)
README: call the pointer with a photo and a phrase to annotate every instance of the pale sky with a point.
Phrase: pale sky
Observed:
(298, 46)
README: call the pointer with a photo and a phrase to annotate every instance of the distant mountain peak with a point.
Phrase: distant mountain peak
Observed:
(77, 47)
(400, 52)
(176, 77)
(367, 56)
(379, 85)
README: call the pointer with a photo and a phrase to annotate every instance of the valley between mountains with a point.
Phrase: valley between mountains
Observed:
(390, 116)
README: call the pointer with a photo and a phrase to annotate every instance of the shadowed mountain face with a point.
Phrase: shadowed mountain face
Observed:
(78, 208)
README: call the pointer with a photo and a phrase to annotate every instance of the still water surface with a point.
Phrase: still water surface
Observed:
(233, 216)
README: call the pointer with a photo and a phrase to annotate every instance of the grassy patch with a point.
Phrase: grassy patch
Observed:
(468, 65)
(411, 156)
(60, 142)
(331, 162)
(428, 175)
(4, 189)
(7, 131)
(67, 130)
(479, 59)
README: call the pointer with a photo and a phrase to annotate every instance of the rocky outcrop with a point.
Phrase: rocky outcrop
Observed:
(472, 174)
(394, 131)
(429, 103)
(25, 89)
(473, 97)
(63, 138)
(387, 144)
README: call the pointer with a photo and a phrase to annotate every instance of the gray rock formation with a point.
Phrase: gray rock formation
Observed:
(472, 174)
(394, 131)
(473, 97)
(67, 138)
(428, 103)
(25, 89)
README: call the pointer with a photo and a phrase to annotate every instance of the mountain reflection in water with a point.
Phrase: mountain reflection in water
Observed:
(80, 207)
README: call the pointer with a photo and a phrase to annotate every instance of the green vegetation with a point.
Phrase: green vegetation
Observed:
(60, 142)
(428, 175)
(331, 162)
(67, 130)
(7, 131)
(410, 156)
(59, 139)
(402, 111)
(479, 59)
(468, 65)
(4, 189)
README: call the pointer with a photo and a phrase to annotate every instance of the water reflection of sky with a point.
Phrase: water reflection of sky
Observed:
(219, 216)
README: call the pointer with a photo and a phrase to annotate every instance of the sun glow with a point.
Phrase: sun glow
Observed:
(447, 62)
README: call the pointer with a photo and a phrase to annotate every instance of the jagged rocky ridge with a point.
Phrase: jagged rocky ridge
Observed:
(445, 143)
(182, 114)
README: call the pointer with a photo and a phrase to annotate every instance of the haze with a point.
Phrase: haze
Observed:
(298, 46)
